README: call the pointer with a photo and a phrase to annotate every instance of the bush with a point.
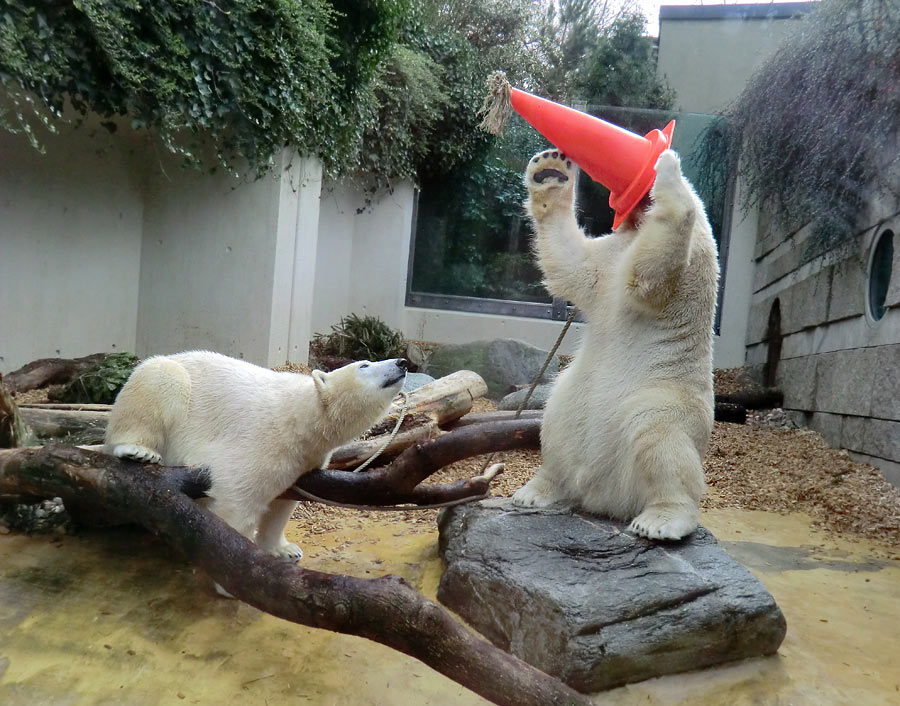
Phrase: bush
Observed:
(360, 338)
(100, 385)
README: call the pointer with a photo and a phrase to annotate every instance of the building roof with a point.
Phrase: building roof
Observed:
(754, 11)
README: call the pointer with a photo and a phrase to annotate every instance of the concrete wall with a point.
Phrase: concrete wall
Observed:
(707, 53)
(70, 244)
(227, 264)
(361, 264)
(108, 244)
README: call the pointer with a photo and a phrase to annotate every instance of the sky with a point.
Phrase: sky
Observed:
(651, 9)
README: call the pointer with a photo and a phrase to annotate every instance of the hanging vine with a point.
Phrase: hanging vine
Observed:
(817, 125)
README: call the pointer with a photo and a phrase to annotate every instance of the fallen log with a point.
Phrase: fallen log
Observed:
(50, 371)
(733, 413)
(763, 398)
(385, 610)
(445, 399)
(48, 423)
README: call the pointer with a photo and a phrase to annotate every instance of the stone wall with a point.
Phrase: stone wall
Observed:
(839, 368)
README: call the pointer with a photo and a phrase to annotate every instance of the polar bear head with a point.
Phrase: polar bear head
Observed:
(358, 395)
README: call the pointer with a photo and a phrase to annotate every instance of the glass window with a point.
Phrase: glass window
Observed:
(880, 274)
(472, 239)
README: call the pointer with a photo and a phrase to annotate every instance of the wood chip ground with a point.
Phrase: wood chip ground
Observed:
(757, 466)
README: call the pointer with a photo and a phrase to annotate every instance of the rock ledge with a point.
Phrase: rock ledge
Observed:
(578, 597)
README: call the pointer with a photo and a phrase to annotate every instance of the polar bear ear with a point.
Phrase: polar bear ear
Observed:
(319, 378)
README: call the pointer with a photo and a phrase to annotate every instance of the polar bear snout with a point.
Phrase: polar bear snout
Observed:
(399, 372)
(382, 374)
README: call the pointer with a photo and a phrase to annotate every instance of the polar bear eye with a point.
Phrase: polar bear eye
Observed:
(364, 365)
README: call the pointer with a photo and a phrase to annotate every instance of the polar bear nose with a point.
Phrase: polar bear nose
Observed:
(402, 364)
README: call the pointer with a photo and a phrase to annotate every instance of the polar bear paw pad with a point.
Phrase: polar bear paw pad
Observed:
(548, 169)
(136, 452)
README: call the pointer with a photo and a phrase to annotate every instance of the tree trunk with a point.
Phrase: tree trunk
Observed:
(386, 610)
(50, 371)
(56, 423)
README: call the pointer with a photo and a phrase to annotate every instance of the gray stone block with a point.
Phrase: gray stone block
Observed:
(848, 290)
(579, 598)
(844, 381)
(805, 303)
(886, 386)
(537, 400)
(829, 426)
(853, 433)
(503, 363)
(797, 379)
(758, 321)
(882, 439)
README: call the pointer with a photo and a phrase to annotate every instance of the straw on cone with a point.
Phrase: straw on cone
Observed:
(622, 161)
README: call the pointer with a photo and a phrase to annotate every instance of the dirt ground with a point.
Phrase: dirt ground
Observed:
(763, 465)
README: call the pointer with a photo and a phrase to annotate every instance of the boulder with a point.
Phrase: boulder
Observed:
(503, 363)
(537, 400)
(416, 380)
(580, 598)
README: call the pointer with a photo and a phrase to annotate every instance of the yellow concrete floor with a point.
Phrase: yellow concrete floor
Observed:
(113, 618)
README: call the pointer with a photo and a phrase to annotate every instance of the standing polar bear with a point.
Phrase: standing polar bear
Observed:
(254, 429)
(629, 420)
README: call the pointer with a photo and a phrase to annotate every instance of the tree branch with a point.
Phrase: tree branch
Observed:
(386, 610)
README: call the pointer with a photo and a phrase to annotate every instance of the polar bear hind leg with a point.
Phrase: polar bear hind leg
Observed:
(668, 474)
(540, 491)
(155, 396)
(270, 535)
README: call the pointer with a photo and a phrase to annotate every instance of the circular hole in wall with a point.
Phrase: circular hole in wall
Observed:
(880, 267)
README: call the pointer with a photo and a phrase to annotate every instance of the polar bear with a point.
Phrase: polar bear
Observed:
(254, 429)
(627, 423)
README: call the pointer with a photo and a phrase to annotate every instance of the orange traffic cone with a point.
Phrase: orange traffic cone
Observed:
(622, 161)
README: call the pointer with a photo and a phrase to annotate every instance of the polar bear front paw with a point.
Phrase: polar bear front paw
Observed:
(288, 551)
(550, 178)
(665, 521)
(136, 452)
(669, 183)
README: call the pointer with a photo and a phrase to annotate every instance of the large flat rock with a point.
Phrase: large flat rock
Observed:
(580, 598)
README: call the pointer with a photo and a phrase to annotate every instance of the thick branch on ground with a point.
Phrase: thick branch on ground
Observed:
(416, 429)
(763, 398)
(48, 423)
(50, 371)
(399, 482)
(386, 610)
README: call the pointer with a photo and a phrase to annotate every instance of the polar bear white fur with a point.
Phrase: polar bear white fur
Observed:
(254, 429)
(628, 422)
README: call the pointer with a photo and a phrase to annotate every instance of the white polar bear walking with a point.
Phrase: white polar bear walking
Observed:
(627, 423)
(254, 429)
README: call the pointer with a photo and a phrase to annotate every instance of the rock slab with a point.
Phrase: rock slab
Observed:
(578, 597)
(503, 363)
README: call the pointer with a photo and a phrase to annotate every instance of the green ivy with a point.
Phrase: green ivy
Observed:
(247, 76)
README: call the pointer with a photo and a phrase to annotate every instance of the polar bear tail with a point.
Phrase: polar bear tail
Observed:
(155, 398)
